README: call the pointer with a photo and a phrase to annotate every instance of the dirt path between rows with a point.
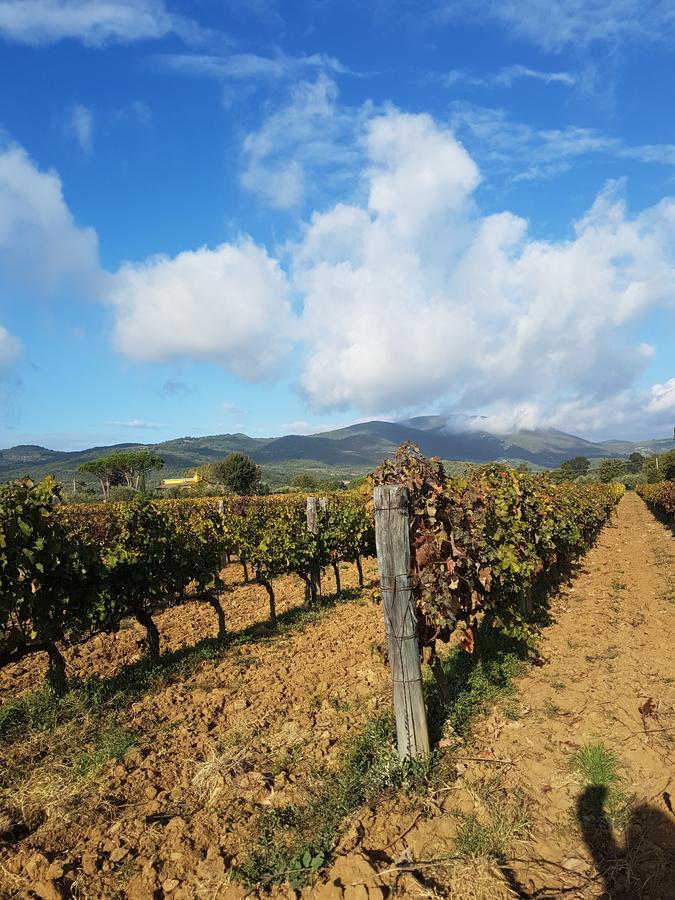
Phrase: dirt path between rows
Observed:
(608, 676)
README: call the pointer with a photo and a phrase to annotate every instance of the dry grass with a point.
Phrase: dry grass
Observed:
(471, 879)
(7, 821)
(213, 773)
(49, 773)
(478, 879)
(46, 792)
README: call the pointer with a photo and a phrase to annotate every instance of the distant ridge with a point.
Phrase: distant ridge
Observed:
(345, 451)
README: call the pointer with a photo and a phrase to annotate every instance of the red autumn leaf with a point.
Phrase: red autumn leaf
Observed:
(424, 553)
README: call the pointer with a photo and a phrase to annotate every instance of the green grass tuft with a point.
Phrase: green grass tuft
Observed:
(598, 766)
(491, 837)
(605, 795)
(112, 742)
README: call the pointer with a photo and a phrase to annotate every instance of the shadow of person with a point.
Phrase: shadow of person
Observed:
(643, 868)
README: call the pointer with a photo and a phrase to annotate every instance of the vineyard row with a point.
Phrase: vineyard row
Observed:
(660, 496)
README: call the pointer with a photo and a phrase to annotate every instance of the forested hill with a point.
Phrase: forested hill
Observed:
(344, 451)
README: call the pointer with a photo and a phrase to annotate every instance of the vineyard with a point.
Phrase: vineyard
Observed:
(69, 572)
(78, 582)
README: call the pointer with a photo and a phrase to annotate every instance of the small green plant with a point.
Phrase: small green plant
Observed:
(490, 837)
(598, 766)
(301, 868)
(111, 743)
(606, 794)
(512, 711)
(283, 760)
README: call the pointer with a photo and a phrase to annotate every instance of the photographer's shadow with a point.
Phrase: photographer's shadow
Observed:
(644, 867)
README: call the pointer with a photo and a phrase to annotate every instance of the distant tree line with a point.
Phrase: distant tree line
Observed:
(122, 474)
(636, 469)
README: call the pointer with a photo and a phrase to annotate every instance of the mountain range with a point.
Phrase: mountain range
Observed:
(344, 452)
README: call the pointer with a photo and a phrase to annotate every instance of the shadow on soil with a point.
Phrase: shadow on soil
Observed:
(477, 680)
(645, 865)
(41, 709)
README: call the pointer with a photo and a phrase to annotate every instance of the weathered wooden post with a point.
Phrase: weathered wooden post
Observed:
(312, 515)
(315, 572)
(392, 540)
(225, 561)
(335, 563)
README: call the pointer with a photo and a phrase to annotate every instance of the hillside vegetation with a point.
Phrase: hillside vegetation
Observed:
(344, 453)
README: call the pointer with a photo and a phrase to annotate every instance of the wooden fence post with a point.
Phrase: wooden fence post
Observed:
(225, 561)
(392, 540)
(313, 526)
(312, 515)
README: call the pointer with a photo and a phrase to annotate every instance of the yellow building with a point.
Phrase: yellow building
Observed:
(181, 482)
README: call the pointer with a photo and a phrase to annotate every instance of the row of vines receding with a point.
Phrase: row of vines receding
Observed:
(480, 542)
(660, 497)
(69, 572)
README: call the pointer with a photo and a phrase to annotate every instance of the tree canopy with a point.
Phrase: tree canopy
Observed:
(237, 472)
(659, 467)
(635, 462)
(128, 466)
(572, 468)
(611, 468)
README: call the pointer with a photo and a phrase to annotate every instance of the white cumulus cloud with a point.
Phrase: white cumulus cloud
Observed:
(512, 73)
(662, 397)
(80, 125)
(407, 298)
(309, 141)
(41, 247)
(416, 298)
(229, 305)
(566, 23)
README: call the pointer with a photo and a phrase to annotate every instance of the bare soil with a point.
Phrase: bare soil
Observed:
(245, 605)
(241, 735)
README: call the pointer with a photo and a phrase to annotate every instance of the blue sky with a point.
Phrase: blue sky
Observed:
(277, 217)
